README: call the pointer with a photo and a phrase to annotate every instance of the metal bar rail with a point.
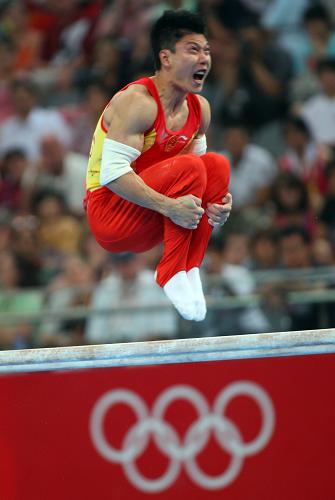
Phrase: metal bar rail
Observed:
(170, 351)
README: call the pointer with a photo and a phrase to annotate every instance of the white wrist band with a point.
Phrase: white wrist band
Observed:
(199, 146)
(116, 160)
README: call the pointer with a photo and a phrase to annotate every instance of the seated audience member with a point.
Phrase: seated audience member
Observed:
(265, 71)
(284, 19)
(25, 129)
(319, 110)
(70, 288)
(59, 170)
(317, 39)
(296, 254)
(225, 278)
(323, 252)
(326, 221)
(58, 232)
(250, 79)
(304, 158)
(93, 253)
(83, 117)
(24, 245)
(128, 284)
(295, 248)
(290, 202)
(264, 250)
(105, 66)
(12, 168)
(7, 73)
(19, 334)
(253, 168)
(15, 22)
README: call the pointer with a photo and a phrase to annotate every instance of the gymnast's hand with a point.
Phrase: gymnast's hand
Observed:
(218, 214)
(186, 211)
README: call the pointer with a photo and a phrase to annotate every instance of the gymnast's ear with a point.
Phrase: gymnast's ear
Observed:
(165, 58)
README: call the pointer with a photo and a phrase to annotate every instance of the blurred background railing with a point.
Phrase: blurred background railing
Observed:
(279, 301)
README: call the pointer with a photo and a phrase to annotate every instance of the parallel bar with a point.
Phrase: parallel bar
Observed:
(170, 351)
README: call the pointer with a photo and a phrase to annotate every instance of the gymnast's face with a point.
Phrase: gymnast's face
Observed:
(189, 64)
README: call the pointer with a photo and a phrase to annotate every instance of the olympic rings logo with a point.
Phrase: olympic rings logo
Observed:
(195, 440)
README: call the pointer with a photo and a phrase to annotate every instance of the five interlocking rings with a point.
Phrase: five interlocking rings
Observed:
(181, 451)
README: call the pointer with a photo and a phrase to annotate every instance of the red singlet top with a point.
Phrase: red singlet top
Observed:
(160, 143)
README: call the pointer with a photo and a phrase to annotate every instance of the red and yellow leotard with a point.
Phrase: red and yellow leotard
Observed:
(159, 142)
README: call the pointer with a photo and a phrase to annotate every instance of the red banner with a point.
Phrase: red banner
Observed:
(250, 429)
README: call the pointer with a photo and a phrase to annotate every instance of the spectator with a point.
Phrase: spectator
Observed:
(236, 248)
(264, 250)
(84, 117)
(25, 129)
(15, 22)
(95, 256)
(105, 66)
(295, 248)
(66, 28)
(12, 168)
(253, 169)
(322, 252)
(327, 212)
(19, 334)
(284, 19)
(317, 41)
(128, 284)
(319, 111)
(7, 73)
(58, 233)
(24, 245)
(59, 170)
(296, 254)
(265, 70)
(223, 87)
(304, 158)
(290, 202)
(135, 15)
(71, 288)
(232, 280)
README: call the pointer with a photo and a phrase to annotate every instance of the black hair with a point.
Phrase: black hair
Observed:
(14, 154)
(326, 64)
(44, 194)
(236, 122)
(289, 180)
(264, 234)
(300, 231)
(171, 27)
(24, 84)
(330, 168)
(215, 243)
(317, 13)
(299, 124)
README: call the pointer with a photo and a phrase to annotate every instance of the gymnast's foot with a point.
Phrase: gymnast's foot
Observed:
(178, 290)
(193, 276)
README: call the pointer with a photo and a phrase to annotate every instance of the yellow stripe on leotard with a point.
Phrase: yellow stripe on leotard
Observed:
(94, 162)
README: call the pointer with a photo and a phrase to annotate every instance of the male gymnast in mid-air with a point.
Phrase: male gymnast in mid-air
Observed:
(149, 178)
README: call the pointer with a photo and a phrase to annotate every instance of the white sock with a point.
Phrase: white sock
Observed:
(179, 291)
(194, 279)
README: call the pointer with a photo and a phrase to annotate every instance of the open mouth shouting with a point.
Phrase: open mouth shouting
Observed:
(199, 76)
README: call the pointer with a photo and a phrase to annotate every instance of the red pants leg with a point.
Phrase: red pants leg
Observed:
(218, 175)
(119, 225)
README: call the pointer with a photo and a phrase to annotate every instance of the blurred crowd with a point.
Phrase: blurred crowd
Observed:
(272, 93)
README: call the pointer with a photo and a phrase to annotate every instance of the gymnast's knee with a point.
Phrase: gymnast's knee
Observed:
(194, 167)
(217, 166)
